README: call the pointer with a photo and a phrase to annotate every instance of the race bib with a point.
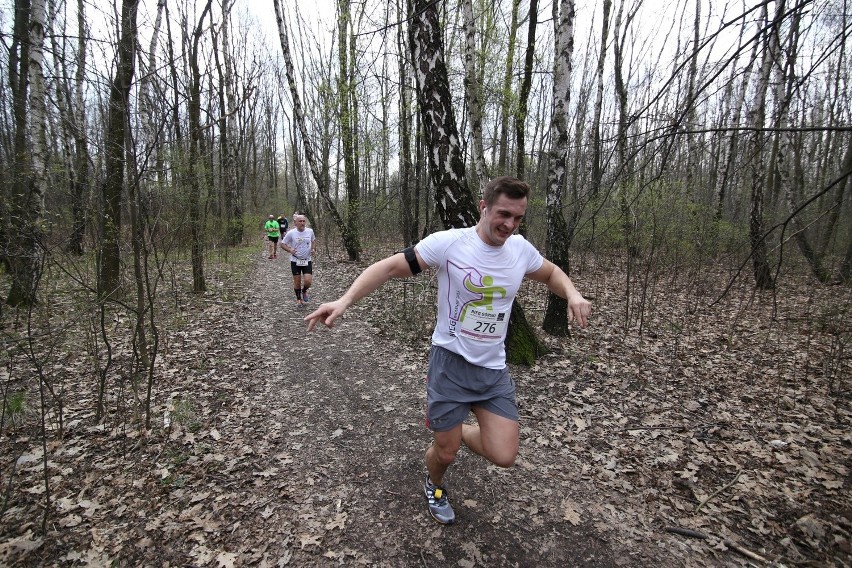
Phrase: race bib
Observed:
(484, 325)
(301, 262)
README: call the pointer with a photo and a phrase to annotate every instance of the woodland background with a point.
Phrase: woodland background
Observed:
(143, 143)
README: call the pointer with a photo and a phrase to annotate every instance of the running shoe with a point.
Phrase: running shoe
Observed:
(439, 505)
(305, 297)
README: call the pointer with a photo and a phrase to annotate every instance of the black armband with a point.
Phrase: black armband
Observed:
(411, 259)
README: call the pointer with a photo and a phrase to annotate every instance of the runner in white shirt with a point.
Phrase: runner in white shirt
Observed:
(301, 243)
(479, 272)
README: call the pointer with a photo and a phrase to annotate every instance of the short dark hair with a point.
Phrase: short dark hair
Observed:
(511, 187)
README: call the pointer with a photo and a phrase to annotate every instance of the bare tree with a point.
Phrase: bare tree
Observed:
(233, 210)
(109, 272)
(410, 199)
(472, 93)
(319, 175)
(347, 107)
(507, 98)
(523, 96)
(757, 162)
(597, 149)
(446, 166)
(195, 133)
(558, 239)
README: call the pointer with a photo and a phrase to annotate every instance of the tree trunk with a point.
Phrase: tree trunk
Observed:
(78, 152)
(446, 167)
(786, 156)
(597, 158)
(233, 208)
(409, 205)
(25, 246)
(114, 143)
(757, 228)
(506, 93)
(729, 169)
(195, 143)
(348, 130)
(471, 91)
(523, 97)
(626, 168)
(453, 198)
(320, 178)
(558, 239)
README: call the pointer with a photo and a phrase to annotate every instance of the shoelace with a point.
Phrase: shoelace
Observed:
(436, 494)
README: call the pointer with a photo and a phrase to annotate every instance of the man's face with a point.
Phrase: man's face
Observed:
(300, 223)
(499, 221)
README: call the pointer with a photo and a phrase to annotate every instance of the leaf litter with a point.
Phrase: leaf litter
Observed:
(711, 439)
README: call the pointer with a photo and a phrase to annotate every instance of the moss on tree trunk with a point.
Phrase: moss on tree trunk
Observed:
(522, 346)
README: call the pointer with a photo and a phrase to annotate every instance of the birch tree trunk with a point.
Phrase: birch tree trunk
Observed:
(472, 96)
(453, 198)
(299, 119)
(446, 167)
(558, 239)
(26, 202)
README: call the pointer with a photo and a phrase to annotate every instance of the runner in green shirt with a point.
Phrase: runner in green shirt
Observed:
(272, 233)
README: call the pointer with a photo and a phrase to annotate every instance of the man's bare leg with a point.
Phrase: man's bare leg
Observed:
(442, 453)
(494, 437)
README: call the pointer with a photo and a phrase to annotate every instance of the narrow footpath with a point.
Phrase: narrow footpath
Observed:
(323, 436)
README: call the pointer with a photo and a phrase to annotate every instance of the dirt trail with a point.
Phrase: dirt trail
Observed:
(270, 446)
(324, 436)
(292, 449)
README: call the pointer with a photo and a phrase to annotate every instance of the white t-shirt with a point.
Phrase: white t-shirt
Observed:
(477, 284)
(301, 243)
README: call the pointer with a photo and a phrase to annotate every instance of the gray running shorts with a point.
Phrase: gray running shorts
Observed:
(454, 386)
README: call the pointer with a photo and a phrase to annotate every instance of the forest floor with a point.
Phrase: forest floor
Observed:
(272, 446)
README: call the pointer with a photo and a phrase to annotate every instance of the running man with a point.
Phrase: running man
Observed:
(272, 235)
(301, 243)
(479, 272)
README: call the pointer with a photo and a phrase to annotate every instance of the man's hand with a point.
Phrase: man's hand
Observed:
(326, 314)
(579, 310)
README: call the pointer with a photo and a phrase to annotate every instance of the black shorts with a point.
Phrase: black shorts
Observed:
(273, 239)
(297, 270)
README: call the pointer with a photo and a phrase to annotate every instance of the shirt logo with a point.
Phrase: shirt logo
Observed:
(477, 290)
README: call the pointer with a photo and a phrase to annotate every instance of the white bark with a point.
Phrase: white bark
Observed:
(38, 111)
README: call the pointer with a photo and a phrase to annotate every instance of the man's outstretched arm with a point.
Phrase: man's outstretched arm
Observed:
(371, 279)
(579, 308)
